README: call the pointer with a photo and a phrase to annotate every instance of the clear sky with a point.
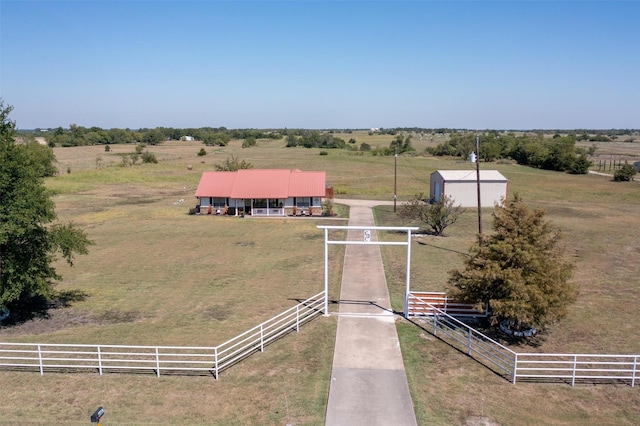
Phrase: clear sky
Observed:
(322, 64)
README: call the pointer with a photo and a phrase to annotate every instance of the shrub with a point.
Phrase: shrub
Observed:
(202, 152)
(324, 153)
(625, 173)
(232, 164)
(249, 142)
(580, 166)
(107, 148)
(149, 157)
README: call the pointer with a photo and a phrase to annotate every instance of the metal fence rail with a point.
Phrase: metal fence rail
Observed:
(167, 359)
(255, 339)
(572, 368)
(532, 367)
(488, 352)
(422, 302)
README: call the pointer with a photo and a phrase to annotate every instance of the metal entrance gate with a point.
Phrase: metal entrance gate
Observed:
(366, 240)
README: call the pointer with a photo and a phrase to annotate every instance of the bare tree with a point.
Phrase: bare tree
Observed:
(437, 216)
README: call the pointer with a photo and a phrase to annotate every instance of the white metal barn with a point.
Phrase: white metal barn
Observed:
(462, 186)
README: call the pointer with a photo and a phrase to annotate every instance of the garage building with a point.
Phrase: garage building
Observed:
(462, 186)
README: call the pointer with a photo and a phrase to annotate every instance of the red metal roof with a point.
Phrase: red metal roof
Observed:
(262, 183)
(215, 184)
(308, 184)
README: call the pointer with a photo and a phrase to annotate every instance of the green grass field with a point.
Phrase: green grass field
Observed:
(158, 276)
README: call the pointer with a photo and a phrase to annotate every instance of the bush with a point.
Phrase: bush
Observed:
(324, 153)
(202, 152)
(149, 157)
(107, 148)
(580, 166)
(249, 142)
(625, 173)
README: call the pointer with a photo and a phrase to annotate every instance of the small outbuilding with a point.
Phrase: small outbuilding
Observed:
(462, 186)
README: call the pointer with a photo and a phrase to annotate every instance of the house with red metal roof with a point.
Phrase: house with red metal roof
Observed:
(262, 192)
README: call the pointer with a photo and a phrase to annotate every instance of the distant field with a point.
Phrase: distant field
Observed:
(159, 276)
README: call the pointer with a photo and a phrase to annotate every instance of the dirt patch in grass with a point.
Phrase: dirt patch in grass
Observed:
(67, 318)
(217, 312)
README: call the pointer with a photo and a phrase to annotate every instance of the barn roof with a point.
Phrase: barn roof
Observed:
(262, 183)
(470, 175)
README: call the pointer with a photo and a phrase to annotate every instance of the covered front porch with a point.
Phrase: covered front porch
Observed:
(292, 206)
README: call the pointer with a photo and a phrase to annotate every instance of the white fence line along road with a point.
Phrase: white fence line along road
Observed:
(578, 368)
(167, 359)
(529, 367)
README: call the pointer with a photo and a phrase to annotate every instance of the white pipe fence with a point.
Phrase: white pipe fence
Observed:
(168, 359)
(532, 367)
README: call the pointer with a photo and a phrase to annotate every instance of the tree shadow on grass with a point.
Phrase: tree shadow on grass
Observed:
(32, 307)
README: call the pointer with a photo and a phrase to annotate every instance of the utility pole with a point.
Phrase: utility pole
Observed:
(478, 180)
(395, 177)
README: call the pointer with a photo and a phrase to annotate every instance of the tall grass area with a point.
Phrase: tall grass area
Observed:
(600, 220)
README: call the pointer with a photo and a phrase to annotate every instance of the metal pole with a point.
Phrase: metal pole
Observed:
(408, 289)
(478, 180)
(326, 272)
(395, 178)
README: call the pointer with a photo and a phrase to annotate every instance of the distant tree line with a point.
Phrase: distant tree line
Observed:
(313, 139)
(80, 136)
(559, 153)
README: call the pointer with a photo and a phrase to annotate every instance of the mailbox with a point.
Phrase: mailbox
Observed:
(95, 417)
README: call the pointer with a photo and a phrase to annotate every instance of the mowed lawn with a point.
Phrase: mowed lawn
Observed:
(158, 276)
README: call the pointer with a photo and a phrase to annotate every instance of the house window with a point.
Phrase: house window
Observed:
(303, 202)
(260, 203)
(219, 202)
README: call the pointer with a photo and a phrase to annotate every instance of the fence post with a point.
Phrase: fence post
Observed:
(515, 368)
(99, 361)
(157, 363)
(573, 373)
(635, 369)
(40, 360)
(435, 321)
(298, 317)
(469, 341)
(215, 352)
(261, 338)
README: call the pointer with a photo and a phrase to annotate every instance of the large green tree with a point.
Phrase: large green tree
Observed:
(30, 237)
(520, 270)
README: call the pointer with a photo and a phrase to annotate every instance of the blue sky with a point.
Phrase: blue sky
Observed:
(322, 64)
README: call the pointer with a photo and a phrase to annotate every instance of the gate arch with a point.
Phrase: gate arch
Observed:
(366, 240)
